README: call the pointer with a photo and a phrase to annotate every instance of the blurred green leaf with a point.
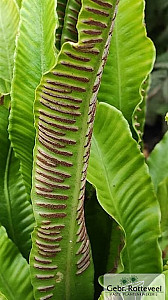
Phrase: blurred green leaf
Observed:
(14, 271)
(158, 162)
(9, 20)
(16, 213)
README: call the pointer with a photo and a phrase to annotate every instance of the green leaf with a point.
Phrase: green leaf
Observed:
(69, 32)
(166, 282)
(166, 117)
(124, 189)
(162, 195)
(158, 161)
(14, 272)
(139, 119)
(4, 86)
(19, 3)
(140, 111)
(61, 7)
(9, 20)
(35, 55)
(5, 101)
(64, 110)
(15, 210)
(130, 59)
(105, 237)
(2, 297)
(102, 296)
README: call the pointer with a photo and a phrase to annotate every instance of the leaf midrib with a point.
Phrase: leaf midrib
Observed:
(72, 233)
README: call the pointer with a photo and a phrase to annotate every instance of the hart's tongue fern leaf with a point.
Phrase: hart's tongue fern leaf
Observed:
(61, 265)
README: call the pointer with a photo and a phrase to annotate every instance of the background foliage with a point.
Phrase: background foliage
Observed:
(116, 227)
(157, 103)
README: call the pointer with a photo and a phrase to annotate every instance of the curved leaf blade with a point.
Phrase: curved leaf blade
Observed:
(140, 111)
(9, 21)
(16, 213)
(13, 266)
(158, 161)
(35, 51)
(130, 59)
(64, 109)
(124, 189)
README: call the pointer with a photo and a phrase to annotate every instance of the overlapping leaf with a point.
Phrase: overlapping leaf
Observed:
(124, 189)
(105, 237)
(64, 110)
(61, 7)
(69, 32)
(130, 59)
(34, 56)
(15, 281)
(15, 210)
(9, 20)
(158, 161)
(140, 111)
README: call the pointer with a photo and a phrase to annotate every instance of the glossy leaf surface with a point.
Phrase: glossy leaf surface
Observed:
(14, 271)
(9, 20)
(35, 51)
(16, 213)
(124, 189)
(130, 59)
(64, 109)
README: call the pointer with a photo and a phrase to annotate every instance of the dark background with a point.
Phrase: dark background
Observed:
(157, 102)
